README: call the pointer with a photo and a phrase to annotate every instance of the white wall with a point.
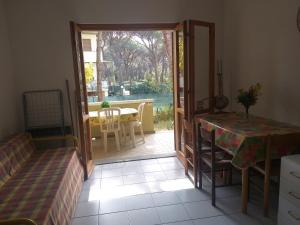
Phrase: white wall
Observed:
(8, 110)
(40, 30)
(262, 44)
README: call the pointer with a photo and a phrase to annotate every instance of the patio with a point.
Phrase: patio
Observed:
(158, 144)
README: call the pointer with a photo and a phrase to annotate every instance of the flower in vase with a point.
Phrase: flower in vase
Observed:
(249, 97)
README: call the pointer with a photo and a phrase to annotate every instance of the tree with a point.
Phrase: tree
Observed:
(167, 37)
(133, 56)
(99, 64)
(153, 42)
(125, 53)
(89, 72)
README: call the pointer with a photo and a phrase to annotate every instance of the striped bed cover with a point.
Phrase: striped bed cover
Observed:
(45, 190)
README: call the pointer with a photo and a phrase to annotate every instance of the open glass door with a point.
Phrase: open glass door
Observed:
(84, 130)
(193, 85)
(180, 91)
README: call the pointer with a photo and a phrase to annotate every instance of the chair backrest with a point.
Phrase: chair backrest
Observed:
(141, 111)
(112, 119)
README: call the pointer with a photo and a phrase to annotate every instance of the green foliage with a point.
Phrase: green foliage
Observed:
(164, 113)
(250, 97)
(163, 118)
(150, 87)
(181, 55)
(105, 104)
(89, 72)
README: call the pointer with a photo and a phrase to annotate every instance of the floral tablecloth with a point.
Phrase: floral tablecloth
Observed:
(245, 137)
(127, 115)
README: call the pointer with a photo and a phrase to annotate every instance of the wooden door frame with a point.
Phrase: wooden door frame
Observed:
(192, 77)
(128, 27)
(108, 27)
(81, 112)
(179, 114)
(184, 115)
(211, 27)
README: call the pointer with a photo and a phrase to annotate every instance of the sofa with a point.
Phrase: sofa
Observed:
(38, 186)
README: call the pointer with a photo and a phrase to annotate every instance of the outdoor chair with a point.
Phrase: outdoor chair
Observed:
(137, 123)
(111, 124)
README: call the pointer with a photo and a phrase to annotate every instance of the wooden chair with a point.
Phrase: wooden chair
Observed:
(212, 160)
(111, 124)
(138, 123)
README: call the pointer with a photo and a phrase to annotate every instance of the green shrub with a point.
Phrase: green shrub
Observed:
(150, 87)
(164, 114)
(105, 104)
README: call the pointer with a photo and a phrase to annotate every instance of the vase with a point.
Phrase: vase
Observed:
(247, 112)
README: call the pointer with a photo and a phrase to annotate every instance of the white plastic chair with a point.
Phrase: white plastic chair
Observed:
(138, 123)
(111, 124)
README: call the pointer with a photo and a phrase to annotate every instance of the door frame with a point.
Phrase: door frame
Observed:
(83, 122)
(107, 27)
(179, 111)
(211, 72)
(128, 27)
(184, 115)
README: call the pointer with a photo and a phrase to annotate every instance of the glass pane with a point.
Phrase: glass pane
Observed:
(181, 68)
(80, 73)
(201, 67)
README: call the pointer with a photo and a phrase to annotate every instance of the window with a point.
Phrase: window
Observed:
(87, 45)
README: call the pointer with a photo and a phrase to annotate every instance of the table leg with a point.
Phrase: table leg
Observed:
(132, 135)
(245, 190)
(267, 177)
(124, 133)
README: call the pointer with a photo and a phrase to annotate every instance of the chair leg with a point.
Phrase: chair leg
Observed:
(199, 156)
(195, 168)
(142, 133)
(213, 187)
(230, 175)
(123, 133)
(132, 135)
(117, 140)
(224, 176)
(105, 141)
(200, 172)
(249, 183)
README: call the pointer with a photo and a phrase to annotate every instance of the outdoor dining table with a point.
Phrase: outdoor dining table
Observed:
(247, 140)
(126, 115)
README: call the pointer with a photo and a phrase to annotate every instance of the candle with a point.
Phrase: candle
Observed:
(219, 66)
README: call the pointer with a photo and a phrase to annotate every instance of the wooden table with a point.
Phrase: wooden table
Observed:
(248, 140)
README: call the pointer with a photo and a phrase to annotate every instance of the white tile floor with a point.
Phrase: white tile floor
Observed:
(154, 192)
